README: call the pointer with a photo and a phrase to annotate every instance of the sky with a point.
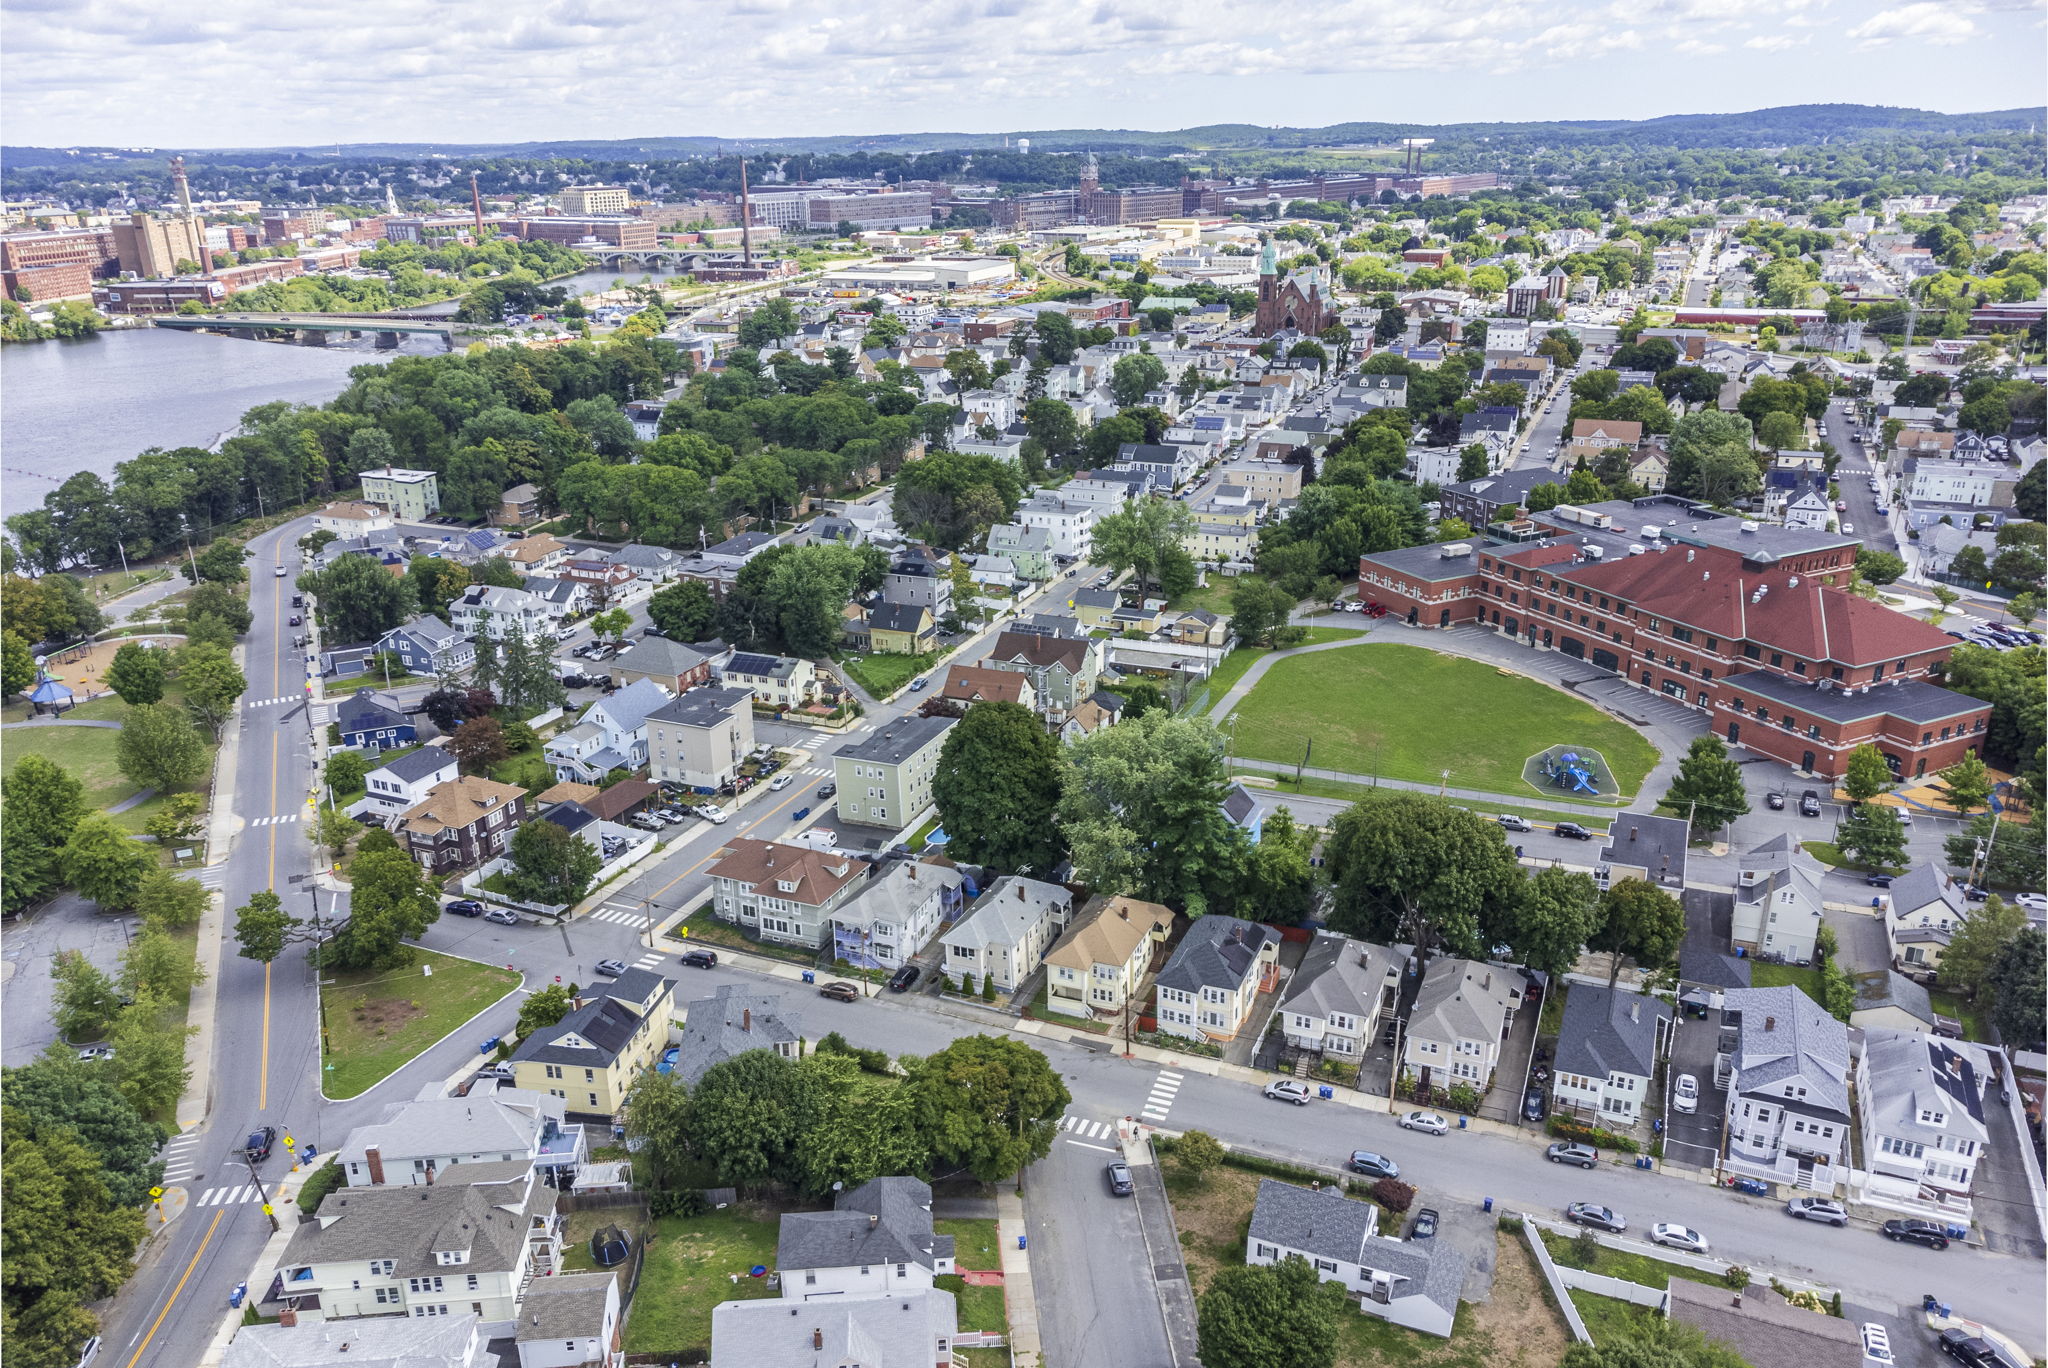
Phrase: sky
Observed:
(239, 73)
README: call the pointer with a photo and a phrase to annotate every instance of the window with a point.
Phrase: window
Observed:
(384, 1266)
(590, 1075)
(1265, 1251)
(472, 1282)
(810, 1277)
(1325, 1266)
(554, 1070)
(388, 1296)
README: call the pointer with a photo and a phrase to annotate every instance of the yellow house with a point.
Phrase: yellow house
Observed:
(1222, 543)
(590, 1057)
(901, 629)
(1099, 963)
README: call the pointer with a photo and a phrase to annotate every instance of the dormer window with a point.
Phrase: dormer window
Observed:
(451, 1256)
(785, 886)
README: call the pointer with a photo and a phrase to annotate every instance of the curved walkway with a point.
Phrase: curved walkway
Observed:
(62, 722)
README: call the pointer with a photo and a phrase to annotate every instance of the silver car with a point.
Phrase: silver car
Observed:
(1289, 1090)
(1817, 1209)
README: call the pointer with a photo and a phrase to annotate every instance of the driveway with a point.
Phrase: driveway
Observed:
(2003, 1201)
(1694, 1141)
(1503, 1101)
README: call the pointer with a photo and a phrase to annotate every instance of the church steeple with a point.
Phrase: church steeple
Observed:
(1269, 259)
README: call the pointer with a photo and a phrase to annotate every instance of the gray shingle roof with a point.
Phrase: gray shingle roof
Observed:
(1928, 887)
(1785, 1036)
(1004, 918)
(565, 1306)
(1607, 1031)
(504, 1122)
(1463, 1000)
(901, 1330)
(895, 896)
(659, 656)
(362, 711)
(732, 1021)
(1881, 988)
(1912, 1075)
(1323, 1221)
(607, 1025)
(1217, 952)
(416, 765)
(884, 1221)
(1650, 842)
(1765, 1330)
(484, 1208)
(1339, 974)
(367, 1342)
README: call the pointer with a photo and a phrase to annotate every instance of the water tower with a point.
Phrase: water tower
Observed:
(1024, 146)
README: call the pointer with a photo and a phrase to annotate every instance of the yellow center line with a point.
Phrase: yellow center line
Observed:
(172, 1300)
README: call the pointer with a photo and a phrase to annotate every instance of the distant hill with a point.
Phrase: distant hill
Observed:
(1756, 128)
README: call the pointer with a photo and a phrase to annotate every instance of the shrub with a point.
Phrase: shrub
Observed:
(988, 988)
(1586, 1247)
(1511, 1225)
(1736, 1276)
(1571, 1128)
(1393, 1194)
(1197, 1153)
(318, 1184)
(1463, 1097)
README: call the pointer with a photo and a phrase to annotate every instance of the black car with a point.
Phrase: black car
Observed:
(1119, 1176)
(1775, 801)
(298, 600)
(1878, 880)
(1917, 1232)
(826, 790)
(903, 978)
(1425, 1225)
(1574, 831)
(1966, 1348)
(700, 959)
(1809, 804)
(465, 907)
(257, 1149)
(1533, 1105)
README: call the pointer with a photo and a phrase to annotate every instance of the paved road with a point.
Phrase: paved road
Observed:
(1097, 1301)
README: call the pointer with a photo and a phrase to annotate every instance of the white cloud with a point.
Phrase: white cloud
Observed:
(1935, 25)
(1774, 42)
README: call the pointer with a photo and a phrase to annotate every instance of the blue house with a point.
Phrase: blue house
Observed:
(369, 724)
(429, 646)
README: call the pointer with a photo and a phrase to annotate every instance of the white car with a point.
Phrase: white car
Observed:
(280, 572)
(1428, 1122)
(1685, 1095)
(1678, 1237)
(2033, 902)
(714, 814)
(1289, 1090)
(780, 782)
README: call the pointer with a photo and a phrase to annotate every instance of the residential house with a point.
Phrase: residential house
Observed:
(1920, 1100)
(1063, 669)
(388, 1342)
(590, 1057)
(1067, 522)
(1888, 999)
(404, 781)
(878, 1238)
(922, 578)
(1778, 901)
(351, 661)
(1763, 1329)
(429, 646)
(1643, 845)
(733, 553)
(783, 893)
(673, 665)
(1788, 1087)
(489, 1124)
(1607, 1051)
(1168, 467)
(1592, 436)
(604, 580)
(1926, 906)
(1482, 502)
(1028, 549)
(485, 612)
(1416, 1283)
(612, 734)
(352, 519)
(1098, 964)
(1650, 467)
(1461, 1015)
(519, 506)
(972, 684)
(911, 1329)
(1339, 995)
(466, 1244)
(776, 681)
(700, 737)
(1100, 709)
(885, 779)
(410, 494)
(888, 922)
(1095, 609)
(368, 723)
(570, 1320)
(734, 1020)
(1208, 988)
(561, 600)
(1243, 809)
(901, 629)
(651, 565)
(1006, 933)
(462, 823)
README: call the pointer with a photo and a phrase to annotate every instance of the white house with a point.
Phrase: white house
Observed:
(776, 681)
(1207, 990)
(454, 1342)
(489, 1124)
(570, 1320)
(914, 1329)
(896, 915)
(1788, 1088)
(1068, 523)
(1921, 1103)
(1608, 1046)
(1460, 1016)
(612, 734)
(1006, 934)
(404, 781)
(1778, 901)
(1415, 1283)
(1339, 994)
(878, 1238)
(484, 611)
(1926, 906)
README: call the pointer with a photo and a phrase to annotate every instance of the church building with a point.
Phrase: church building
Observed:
(1303, 302)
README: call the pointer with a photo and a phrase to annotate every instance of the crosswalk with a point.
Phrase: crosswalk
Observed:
(651, 960)
(214, 876)
(233, 1195)
(1160, 1101)
(1079, 1128)
(278, 820)
(620, 916)
(270, 702)
(177, 1154)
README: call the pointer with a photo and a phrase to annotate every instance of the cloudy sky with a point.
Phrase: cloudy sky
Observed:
(242, 73)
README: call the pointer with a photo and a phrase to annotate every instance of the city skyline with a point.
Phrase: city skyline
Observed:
(115, 74)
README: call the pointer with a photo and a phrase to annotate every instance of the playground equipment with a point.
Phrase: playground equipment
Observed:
(1567, 771)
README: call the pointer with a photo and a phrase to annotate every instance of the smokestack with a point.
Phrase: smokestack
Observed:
(476, 204)
(192, 223)
(746, 219)
(375, 1157)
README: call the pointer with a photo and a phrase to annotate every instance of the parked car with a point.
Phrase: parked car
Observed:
(1372, 1165)
(840, 991)
(2033, 902)
(647, 821)
(92, 1053)
(465, 907)
(1775, 801)
(780, 782)
(295, 621)
(503, 916)
(1878, 880)
(1823, 1209)
(826, 790)
(1809, 804)
(1678, 1237)
(1533, 1105)
(1913, 1231)
(1289, 1090)
(1511, 822)
(1597, 1216)
(1968, 1349)
(1428, 1122)
(1425, 1225)
(1119, 1176)
(713, 813)
(904, 979)
(1566, 1152)
(671, 815)
(918, 683)
(257, 1147)
(699, 959)
(298, 600)
(1685, 1095)
(611, 968)
(1877, 1345)
(1573, 830)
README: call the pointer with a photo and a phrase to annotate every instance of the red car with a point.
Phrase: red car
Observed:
(1375, 609)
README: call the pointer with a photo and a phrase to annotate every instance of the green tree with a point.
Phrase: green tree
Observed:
(743, 1116)
(1056, 337)
(1868, 775)
(66, 1242)
(1135, 376)
(988, 1105)
(1259, 614)
(156, 965)
(1980, 934)
(45, 802)
(950, 498)
(1879, 567)
(169, 900)
(60, 1092)
(436, 582)
(1779, 431)
(551, 865)
(1473, 462)
(1966, 784)
(17, 665)
(85, 1000)
(1639, 920)
(159, 748)
(1708, 788)
(2018, 999)
(1052, 422)
(1197, 1154)
(1872, 836)
(1142, 810)
(545, 1007)
(997, 789)
(212, 682)
(103, 864)
(1654, 1342)
(657, 1121)
(346, 771)
(137, 674)
(219, 563)
(221, 604)
(1411, 867)
(1550, 924)
(1273, 1316)
(1279, 878)
(851, 1127)
(614, 623)
(1142, 537)
(149, 1056)
(357, 600)
(684, 611)
(389, 905)
(263, 928)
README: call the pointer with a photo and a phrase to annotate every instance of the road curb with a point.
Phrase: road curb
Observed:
(320, 1066)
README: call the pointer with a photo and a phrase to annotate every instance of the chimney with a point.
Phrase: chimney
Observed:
(1020, 891)
(746, 1019)
(288, 1318)
(1770, 1023)
(874, 1219)
(1124, 912)
(912, 867)
(1635, 1011)
(817, 1339)
(376, 1161)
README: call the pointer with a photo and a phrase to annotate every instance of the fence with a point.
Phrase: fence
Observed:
(1559, 1289)
(599, 1201)
(1619, 1288)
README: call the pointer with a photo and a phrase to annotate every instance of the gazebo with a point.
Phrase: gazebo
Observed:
(50, 696)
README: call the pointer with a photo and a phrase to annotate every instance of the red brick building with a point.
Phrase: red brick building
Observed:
(1751, 624)
(59, 264)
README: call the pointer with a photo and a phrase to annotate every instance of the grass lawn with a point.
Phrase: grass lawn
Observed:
(1409, 713)
(1224, 677)
(115, 583)
(1312, 787)
(1628, 1266)
(1041, 1010)
(704, 929)
(1828, 854)
(1807, 980)
(974, 1247)
(345, 688)
(378, 1022)
(1607, 1317)
(1213, 597)
(1949, 1005)
(688, 1270)
(89, 753)
(882, 675)
(920, 837)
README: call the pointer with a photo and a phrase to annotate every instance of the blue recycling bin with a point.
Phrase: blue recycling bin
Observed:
(1486, 1205)
(1021, 1241)
(810, 976)
(1326, 1092)
(1461, 1122)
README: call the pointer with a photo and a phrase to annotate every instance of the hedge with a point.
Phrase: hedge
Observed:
(1569, 1128)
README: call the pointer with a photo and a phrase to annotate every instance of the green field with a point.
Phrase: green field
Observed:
(1403, 712)
(882, 675)
(689, 1269)
(974, 1247)
(378, 1022)
(1232, 668)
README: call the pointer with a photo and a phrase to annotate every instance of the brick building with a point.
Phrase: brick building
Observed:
(57, 265)
(1746, 622)
(570, 229)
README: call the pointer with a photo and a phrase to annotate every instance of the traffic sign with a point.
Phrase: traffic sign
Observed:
(288, 1142)
(267, 1209)
(156, 1192)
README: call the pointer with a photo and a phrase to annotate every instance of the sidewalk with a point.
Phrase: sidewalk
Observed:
(1020, 1300)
